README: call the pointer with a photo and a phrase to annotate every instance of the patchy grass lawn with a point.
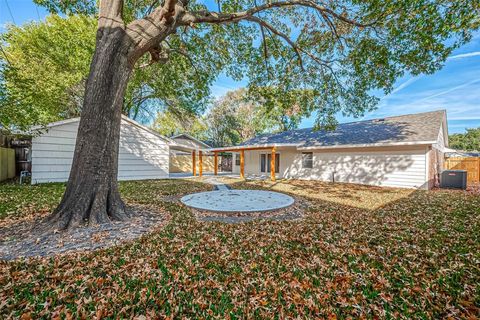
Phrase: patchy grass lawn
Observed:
(354, 195)
(360, 252)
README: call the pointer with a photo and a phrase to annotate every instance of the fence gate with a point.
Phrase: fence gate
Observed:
(7, 163)
(471, 165)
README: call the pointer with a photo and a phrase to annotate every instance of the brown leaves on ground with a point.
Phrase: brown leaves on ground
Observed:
(360, 252)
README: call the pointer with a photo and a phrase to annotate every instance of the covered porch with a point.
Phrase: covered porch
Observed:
(186, 161)
(270, 163)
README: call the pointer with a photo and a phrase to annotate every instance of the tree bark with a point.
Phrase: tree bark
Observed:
(92, 194)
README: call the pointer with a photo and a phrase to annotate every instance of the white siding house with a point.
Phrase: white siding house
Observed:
(399, 167)
(403, 151)
(143, 154)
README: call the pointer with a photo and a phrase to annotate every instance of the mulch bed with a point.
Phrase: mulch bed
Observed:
(27, 238)
(293, 212)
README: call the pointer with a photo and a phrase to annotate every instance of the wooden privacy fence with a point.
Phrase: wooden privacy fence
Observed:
(7, 163)
(471, 165)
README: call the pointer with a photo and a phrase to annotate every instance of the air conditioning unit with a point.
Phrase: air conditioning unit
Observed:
(454, 179)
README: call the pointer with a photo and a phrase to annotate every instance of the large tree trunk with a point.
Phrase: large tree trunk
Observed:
(92, 194)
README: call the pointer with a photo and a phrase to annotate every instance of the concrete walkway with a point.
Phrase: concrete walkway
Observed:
(209, 178)
(218, 184)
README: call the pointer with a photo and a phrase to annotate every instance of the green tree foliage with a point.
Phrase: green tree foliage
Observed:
(233, 118)
(44, 66)
(239, 116)
(222, 122)
(331, 54)
(283, 109)
(468, 141)
(173, 122)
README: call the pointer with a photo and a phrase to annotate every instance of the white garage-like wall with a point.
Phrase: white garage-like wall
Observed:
(392, 168)
(142, 153)
(403, 167)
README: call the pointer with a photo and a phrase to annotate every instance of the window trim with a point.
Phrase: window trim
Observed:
(306, 160)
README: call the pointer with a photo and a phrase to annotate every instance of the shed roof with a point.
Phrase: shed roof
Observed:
(194, 141)
(124, 118)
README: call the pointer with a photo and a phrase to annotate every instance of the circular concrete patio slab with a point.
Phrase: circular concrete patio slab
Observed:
(238, 200)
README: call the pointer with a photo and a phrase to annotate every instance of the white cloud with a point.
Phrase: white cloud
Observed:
(464, 55)
(441, 93)
(464, 118)
(404, 85)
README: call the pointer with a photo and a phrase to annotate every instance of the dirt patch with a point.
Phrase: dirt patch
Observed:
(27, 238)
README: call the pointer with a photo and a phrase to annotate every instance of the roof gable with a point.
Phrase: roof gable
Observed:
(194, 141)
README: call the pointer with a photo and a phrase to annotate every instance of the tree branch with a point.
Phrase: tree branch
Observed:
(280, 34)
(298, 50)
(162, 55)
(265, 49)
(151, 7)
(214, 17)
(185, 54)
(110, 13)
(147, 32)
(157, 54)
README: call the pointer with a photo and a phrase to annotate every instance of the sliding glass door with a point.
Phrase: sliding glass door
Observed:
(266, 160)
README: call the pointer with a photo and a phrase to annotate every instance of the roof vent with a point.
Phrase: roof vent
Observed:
(379, 120)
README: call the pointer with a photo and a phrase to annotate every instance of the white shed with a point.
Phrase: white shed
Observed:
(143, 154)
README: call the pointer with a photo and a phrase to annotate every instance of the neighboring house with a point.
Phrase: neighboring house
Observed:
(401, 151)
(451, 153)
(189, 141)
(143, 154)
(181, 161)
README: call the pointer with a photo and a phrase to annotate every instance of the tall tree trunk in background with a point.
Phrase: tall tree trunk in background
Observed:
(92, 194)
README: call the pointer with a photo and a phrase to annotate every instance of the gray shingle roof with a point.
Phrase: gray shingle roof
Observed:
(399, 129)
(189, 141)
(462, 154)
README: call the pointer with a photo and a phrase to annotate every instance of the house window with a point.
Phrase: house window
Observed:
(237, 159)
(263, 162)
(307, 160)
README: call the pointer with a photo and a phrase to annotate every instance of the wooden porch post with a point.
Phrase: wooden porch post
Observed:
(200, 165)
(215, 163)
(194, 164)
(272, 165)
(242, 164)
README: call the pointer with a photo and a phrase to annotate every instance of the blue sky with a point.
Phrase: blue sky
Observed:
(455, 88)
